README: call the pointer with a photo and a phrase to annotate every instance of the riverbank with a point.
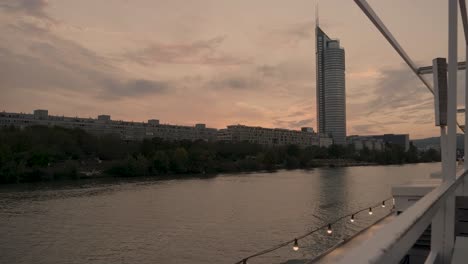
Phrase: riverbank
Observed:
(101, 170)
(52, 153)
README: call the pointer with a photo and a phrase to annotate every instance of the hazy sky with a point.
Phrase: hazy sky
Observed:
(218, 62)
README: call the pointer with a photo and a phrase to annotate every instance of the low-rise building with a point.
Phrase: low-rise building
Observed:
(369, 142)
(105, 125)
(129, 130)
(378, 142)
(271, 136)
(325, 141)
(396, 139)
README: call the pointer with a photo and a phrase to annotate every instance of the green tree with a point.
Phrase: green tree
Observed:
(336, 151)
(293, 150)
(430, 155)
(160, 162)
(412, 155)
(180, 160)
(292, 162)
(270, 159)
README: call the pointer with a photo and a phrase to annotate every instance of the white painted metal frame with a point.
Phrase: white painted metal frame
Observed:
(392, 243)
(464, 16)
(428, 69)
(367, 9)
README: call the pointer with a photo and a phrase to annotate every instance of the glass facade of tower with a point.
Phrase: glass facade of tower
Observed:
(331, 95)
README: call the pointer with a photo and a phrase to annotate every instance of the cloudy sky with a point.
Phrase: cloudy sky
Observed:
(218, 62)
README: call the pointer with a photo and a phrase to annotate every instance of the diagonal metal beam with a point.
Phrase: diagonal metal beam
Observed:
(365, 7)
(370, 13)
(464, 19)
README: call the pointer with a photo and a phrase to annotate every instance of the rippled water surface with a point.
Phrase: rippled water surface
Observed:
(215, 220)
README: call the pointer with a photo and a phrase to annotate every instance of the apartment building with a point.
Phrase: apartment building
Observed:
(127, 130)
(272, 136)
(361, 142)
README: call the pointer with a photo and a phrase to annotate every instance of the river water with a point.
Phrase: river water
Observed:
(214, 220)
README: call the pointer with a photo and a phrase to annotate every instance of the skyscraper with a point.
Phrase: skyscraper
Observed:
(331, 95)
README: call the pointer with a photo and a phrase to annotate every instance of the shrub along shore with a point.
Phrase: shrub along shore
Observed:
(40, 153)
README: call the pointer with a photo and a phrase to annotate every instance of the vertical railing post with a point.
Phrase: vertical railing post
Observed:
(463, 191)
(443, 223)
(439, 68)
(449, 222)
(465, 149)
(452, 92)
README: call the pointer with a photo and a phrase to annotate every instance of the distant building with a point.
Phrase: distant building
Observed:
(325, 141)
(153, 122)
(104, 125)
(431, 146)
(41, 114)
(104, 118)
(397, 139)
(378, 142)
(361, 142)
(224, 135)
(128, 130)
(271, 136)
(330, 87)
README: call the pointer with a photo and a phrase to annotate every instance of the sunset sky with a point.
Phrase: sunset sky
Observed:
(218, 62)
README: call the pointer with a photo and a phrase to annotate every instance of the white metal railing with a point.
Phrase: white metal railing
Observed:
(395, 239)
(431, 258)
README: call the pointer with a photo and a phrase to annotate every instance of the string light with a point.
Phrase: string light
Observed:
(296, 245)
(329, 231)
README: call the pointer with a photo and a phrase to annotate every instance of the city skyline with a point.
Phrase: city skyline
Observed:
(79, 60)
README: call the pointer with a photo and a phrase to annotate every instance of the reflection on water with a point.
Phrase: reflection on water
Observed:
(216, 220)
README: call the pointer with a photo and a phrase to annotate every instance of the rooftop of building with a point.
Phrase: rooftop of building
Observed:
(270, 129)
(99, 119)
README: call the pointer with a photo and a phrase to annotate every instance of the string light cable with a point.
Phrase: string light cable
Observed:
(328, 227)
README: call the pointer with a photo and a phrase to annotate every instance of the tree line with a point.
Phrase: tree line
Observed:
(39, 153)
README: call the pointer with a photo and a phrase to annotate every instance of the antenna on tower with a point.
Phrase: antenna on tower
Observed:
(317, 13)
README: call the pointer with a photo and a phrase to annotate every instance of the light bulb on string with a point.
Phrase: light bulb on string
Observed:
(296, 245)
(329, 229)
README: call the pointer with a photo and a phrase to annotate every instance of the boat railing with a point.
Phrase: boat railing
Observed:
(394, 240)
(392, 243)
